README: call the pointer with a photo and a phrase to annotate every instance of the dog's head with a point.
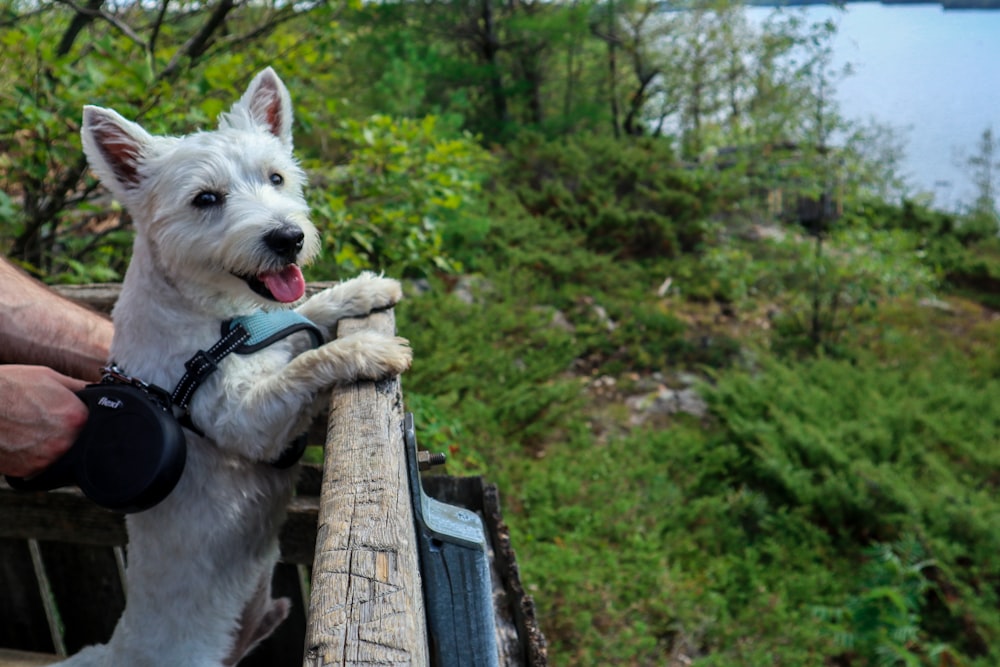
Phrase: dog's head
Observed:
(220, 214)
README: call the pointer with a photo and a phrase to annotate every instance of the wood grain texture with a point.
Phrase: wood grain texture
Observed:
(366, 603)
(103, 296)
(67, 516)
(24, 659)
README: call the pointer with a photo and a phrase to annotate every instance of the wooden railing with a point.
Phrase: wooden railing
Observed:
(349, 553)
(367, 603)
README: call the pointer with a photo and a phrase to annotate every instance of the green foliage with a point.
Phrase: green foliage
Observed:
(41, 164)
(398, 185)
(963, 249)
(867, 450)
(859, 485)
(514, 354)
(640, 203)
(706, 541)
(881, 622)
(822, 286)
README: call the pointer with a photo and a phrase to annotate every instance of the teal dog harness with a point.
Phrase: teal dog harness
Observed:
(242, 335)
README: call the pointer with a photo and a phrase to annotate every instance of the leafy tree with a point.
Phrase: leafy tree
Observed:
(397, 186)
(984, 169)
(175, 66)
(135, 57)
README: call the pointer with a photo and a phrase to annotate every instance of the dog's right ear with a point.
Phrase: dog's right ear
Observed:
(115, 148)
(265, 105)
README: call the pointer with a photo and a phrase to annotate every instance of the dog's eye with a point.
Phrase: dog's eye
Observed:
(207, 199)
(277, 179)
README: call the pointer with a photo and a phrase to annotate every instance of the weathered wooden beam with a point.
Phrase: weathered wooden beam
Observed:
(366, 604)
(99, 296)
(24, 659)
(102, 296)
(67, 516)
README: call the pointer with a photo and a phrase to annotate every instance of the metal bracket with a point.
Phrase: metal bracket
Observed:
(455, 568)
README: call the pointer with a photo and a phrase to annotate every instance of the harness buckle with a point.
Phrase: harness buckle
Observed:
(113, 374)
(201, 365)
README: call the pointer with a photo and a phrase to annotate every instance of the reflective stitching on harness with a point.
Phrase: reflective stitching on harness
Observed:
(243, 335)
(203, 364)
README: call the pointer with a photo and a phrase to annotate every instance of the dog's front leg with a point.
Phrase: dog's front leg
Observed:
(273, 408)
(352, 298)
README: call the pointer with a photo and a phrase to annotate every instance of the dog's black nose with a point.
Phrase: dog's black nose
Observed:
(286, 241)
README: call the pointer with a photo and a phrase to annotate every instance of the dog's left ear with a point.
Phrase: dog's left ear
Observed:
(116, 149)
(265, 104)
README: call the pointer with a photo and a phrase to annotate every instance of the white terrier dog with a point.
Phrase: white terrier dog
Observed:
(221, 228)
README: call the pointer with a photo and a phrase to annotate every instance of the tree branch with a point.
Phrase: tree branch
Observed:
(90, 12)
(156, 26)
(79, 22)
(198, 43)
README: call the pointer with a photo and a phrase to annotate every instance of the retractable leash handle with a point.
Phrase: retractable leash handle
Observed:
(131, 453)
(129, 456)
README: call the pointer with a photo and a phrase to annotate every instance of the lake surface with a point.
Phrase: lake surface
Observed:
(930, 72)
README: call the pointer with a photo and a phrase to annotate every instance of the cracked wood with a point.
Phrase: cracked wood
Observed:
(366, 604)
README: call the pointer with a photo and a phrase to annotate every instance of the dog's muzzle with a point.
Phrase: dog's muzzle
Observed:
(286, 242)
(286, 284)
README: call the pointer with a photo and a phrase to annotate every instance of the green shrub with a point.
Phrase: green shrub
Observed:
(880, 622)
(627, 199)
(868, 451)
(397, 186)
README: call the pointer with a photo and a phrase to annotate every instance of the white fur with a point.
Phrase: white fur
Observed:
(200, 563)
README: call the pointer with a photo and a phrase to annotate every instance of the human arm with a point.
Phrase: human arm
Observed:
(51, 338)
(39, 327)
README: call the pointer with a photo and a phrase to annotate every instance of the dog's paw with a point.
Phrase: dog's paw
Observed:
(371, 291)
(365, 355)
(353, 298)
(384, 357)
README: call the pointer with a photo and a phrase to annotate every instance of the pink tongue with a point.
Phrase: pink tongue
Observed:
(286, 285)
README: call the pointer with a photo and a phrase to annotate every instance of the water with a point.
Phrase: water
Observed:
(932, 73)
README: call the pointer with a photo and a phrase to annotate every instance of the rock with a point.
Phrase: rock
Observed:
(464, 289)
(937, 304)
(603, 318)
(559, 320)
(420, 286)
(665, 402)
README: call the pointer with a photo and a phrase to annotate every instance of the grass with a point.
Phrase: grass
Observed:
(735, 539)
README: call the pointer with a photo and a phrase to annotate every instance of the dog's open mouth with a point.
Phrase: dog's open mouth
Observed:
(286, 285)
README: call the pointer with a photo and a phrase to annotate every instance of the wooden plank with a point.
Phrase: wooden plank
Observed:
(366, 604)
(67, 516)
(504, 563)
(99, 296)
(59, 516)
(298, 533)
(10, 658)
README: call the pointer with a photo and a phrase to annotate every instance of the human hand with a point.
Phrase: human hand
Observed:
(40, 417)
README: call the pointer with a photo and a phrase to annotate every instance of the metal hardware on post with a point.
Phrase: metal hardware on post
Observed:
(427, 460)
(455, 568)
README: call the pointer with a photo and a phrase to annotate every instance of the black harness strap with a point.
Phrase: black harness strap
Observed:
(203, 364)
(243, 335)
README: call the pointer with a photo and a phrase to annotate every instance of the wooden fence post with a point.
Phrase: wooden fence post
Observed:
(366, 605)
